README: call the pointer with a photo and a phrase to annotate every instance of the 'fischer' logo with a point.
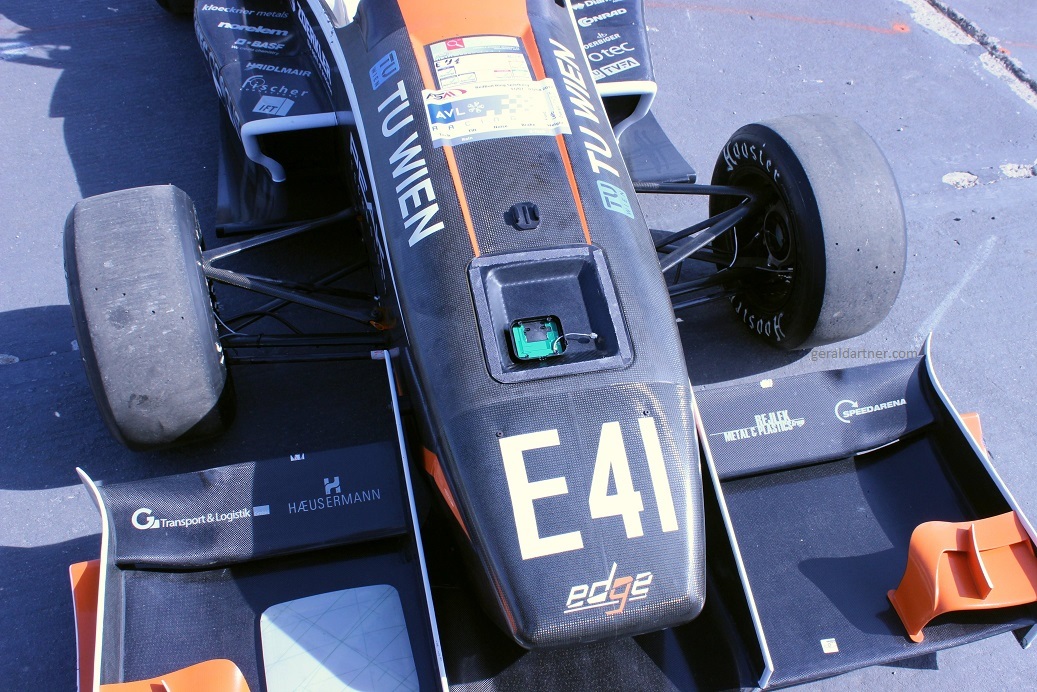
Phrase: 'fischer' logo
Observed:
(845, 410)
(613, 591)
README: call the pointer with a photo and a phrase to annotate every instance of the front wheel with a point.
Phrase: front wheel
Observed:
(144, 317)
(827, 238)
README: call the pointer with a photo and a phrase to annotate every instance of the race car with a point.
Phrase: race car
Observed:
(491, 156)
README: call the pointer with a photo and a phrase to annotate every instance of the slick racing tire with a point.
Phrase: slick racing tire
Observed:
(183, 7)
(144, 318)
(827, 241)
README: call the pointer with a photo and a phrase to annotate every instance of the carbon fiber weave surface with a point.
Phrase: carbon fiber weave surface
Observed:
(472, 412)
(794, 421)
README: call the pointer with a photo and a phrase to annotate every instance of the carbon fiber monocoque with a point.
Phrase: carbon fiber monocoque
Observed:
(580, 491)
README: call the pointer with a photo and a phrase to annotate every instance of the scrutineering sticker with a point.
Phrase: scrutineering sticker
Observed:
(487, 91)
(479, 60)
(490, 111)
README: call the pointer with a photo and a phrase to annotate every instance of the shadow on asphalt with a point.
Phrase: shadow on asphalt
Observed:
(136, 98)
(49, 622)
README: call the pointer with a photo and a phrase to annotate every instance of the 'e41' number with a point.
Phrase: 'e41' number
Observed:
(611, 461)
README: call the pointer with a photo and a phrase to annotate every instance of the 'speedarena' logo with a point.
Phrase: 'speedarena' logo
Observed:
(845, 410)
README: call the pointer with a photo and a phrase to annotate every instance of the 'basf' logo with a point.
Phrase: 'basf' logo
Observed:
(614, 592)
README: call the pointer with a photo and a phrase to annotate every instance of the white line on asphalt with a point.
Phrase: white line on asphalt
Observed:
(985, 250)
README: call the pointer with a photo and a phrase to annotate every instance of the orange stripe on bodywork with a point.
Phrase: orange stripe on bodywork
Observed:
(435, 469)
(538, 70)
(462, 198)
(429, 23)
(572, 185)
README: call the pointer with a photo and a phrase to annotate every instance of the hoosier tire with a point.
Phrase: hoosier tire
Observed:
(830, 240)
(144, 319)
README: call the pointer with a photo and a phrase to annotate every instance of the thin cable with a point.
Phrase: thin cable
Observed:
(590, 336)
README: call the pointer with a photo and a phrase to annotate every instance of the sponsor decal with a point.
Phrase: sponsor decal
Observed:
(614, 199)
(273, 105)
(416, 196)
(257, 84)
(591, 21)
(847, 410)
(245, 12)
(765, 424)
(460, 110)
(592, 3)
(315, 49)
(334, 497)
(297, 457)
(598, 149)
(247, 28)
(602, 39)
(611, 52)
(144, 519)
(333, 485)
(612, 592)
(614, 68)
(261, 46)
(278, 69)
(383, 69)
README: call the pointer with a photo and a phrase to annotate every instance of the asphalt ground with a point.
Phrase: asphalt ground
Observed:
(106, 95)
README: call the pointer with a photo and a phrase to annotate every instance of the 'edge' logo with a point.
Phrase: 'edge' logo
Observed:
(610, 591)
